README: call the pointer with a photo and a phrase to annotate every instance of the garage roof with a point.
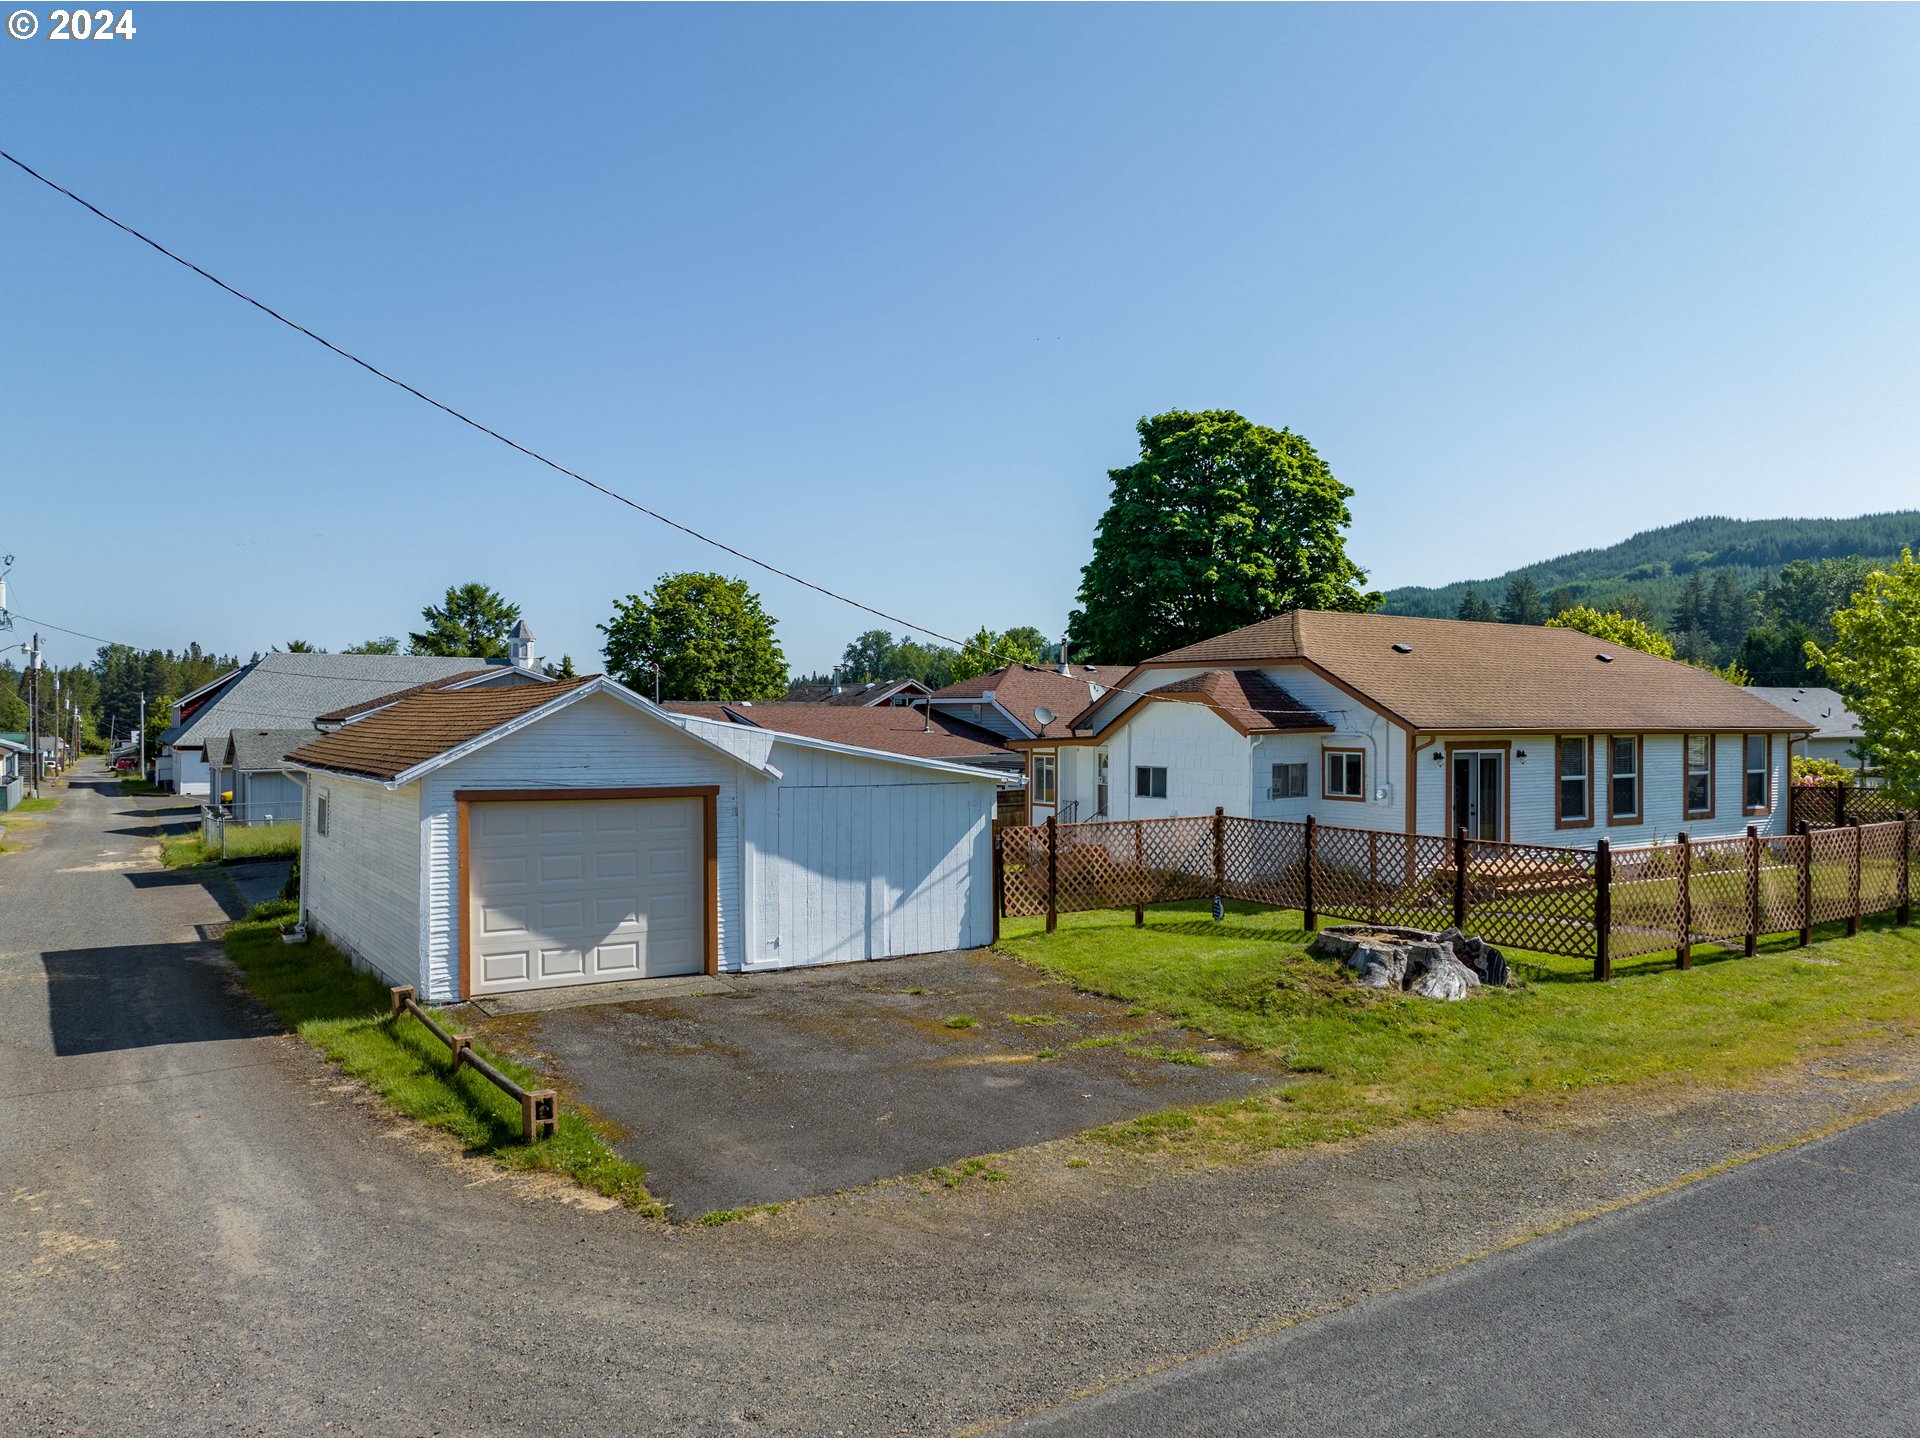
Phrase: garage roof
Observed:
(390, 742)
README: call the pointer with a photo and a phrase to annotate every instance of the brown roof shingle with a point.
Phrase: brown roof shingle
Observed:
(896, 729)
(1247, 699)
(390, 742)
(1022, 689)
(347, 712)
(1463, 675)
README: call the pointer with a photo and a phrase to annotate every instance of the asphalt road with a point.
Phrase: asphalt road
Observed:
(1780, 1297)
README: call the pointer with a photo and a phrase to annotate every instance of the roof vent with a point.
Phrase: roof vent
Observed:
(1604, 658)
(1401, 647)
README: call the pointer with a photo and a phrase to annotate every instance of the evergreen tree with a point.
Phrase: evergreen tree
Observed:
(1690, 609)
(1729, 612)
(470, 620)
(1472, 607)
(1522, 603)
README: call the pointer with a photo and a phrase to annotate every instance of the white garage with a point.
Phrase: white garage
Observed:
(483, 841)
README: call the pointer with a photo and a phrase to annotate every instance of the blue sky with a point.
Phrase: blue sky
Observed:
(880, 292)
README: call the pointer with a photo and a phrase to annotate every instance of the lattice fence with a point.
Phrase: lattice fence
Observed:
(1821, 806)
(1527, 897)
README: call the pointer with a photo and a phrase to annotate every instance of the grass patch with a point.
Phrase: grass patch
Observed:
(1168, 1053)
(1363, 1059)
(1036, 1019)
(37, 804)
(246, 842)
(952, 1177)
(727, 1217)
(139, 785)
(959, 1022)
(344, 1012)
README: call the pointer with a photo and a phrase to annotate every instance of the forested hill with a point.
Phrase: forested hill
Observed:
(1654, 564)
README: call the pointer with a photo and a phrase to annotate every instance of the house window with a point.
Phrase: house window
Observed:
(322, 813)
(1044, 787)
(1289, 781)
(1346, 775)
(1575, 775)
(1758, 793)
(1150, 782)
(1699, 753)
(1623, 776)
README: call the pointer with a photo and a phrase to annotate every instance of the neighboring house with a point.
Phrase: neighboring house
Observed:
(252, 770)
(1836, 729)
(14, 763)
(865, 693)
(289, 692)
(470, 842)
(894, 728)
(1385, 722)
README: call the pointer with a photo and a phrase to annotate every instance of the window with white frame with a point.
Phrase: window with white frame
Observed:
(1699, 753)
(1346, 775)
(1045, 773)
(1623, 777)
(1289, 781)
(322, 813)
(1758, 792)
(1150, 782)
(1575, 775)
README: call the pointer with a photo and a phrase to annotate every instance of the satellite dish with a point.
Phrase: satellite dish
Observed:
(1044, 715)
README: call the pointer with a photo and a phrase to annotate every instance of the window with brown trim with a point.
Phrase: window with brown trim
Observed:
(1573, 777)
(1696, 753)
(1623, 777)
(1756, 790)
(1044, 781)
(1344, 774)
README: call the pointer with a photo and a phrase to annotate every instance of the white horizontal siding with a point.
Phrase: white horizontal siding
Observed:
(362, 876)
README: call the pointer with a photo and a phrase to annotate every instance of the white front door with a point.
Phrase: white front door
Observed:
(566, 892)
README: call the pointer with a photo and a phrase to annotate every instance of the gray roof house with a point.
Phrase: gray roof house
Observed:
(1836, 729)
(289, 691)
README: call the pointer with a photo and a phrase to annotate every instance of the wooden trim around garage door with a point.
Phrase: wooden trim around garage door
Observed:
(707, 795)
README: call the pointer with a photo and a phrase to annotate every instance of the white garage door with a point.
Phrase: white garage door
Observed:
(565, 892)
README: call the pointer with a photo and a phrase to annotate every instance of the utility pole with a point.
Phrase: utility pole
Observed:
(33, 708)
(143, 734)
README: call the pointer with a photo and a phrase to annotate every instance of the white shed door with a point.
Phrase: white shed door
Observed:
(566, 892)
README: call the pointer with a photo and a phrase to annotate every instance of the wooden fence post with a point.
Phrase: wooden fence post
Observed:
(1460, 878)
(1309, 915)
(1840, 803)
(1140, 876)
(1053, 874)
(1602, 910)
(1373, 877)
(1853, 882)
(1683, 876)
(999, 881)
(1220, 852)
(1753, 890)
(1904, 914)
(1806, 883)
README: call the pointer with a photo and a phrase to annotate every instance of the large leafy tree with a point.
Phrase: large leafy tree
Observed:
(985, 650)
(1615, 628)
(379, 645)
(471, 620)
(1874, 659)
(1808, 592)
(1221, 522)
(707, 633)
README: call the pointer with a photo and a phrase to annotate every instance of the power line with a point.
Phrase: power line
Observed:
(466, 419)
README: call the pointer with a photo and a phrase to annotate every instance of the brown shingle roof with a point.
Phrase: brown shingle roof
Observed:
(392, 741)
(898, 729)
(1459, 675)
(1246, 699)
(853, 692)
(1024, 688)
(347, 712)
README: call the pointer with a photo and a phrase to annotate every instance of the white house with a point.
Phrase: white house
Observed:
(1384, 722)
(470, 842)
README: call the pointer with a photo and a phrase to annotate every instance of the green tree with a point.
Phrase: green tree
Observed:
(1729, 612)
(1872, 661)
(1522, 603)
(13, 708)
(563, 671)
(1614, 628)
(1221, 522)
(471, 620)
(1777, 655)
(1561, 599)
(707, 633)
(1690, 608)
(865, 657)
(1472, 607)
(1808, 592)
(986, 651)
(379, 645)
(301, 647)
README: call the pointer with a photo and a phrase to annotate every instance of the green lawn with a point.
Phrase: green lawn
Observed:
(34, 804)
(346, 1013)
(1363, 1059)
(244, 842)
(139, 785)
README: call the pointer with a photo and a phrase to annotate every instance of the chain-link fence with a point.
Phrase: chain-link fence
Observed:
(1597, 903)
